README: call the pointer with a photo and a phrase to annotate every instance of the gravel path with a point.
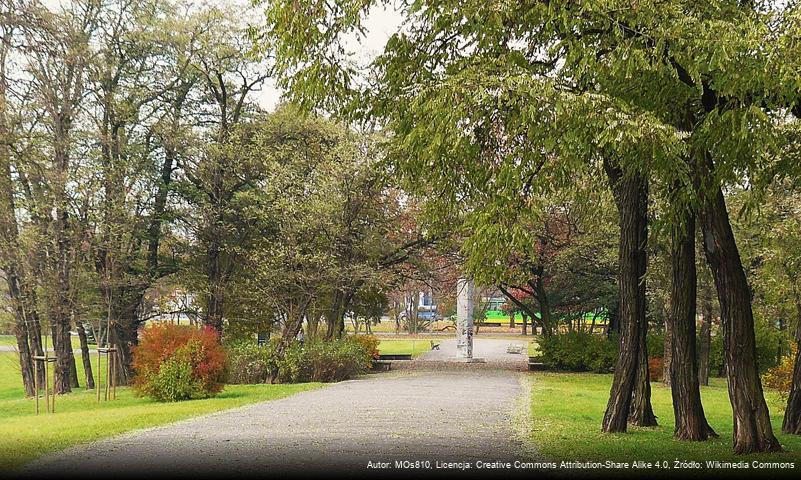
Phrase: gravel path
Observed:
(415, 415)
(492, 353)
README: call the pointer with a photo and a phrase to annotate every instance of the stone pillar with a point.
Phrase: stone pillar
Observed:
(464, 318)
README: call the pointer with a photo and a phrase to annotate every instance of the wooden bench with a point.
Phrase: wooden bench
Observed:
(515, 348)
(395, 356)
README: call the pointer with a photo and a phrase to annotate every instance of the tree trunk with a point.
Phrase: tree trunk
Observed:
(613, 322)
(294, 322)
(667, 355)
(85, 358)
(215, 294)
(123, 335)
(525, 324)
(752, 429)
(705, 344)
(62, 348)
(691, 423)
(631, 369)
(313, 323)
(546, 316)
(22, 333)
(73, 367)
(792, 414)
(642, 413)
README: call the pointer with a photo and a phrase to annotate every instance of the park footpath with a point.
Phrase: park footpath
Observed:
(427, 415)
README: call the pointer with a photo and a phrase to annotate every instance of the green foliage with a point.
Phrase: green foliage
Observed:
(247, 362)
(322, 218)
(579, 351)
(173, 381)
(769, 342)
(656, 344)
(322, 361)
(313, 361)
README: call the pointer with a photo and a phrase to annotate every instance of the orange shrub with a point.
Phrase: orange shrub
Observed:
(174, 362)
(369, 343)
(780, 377)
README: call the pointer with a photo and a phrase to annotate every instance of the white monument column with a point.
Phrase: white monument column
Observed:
(464, 318)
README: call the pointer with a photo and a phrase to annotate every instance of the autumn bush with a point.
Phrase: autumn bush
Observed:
(780, 377)
(175, 362)
(656, 368)
(369, 343)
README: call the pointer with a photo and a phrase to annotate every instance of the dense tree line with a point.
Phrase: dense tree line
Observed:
(136, 162)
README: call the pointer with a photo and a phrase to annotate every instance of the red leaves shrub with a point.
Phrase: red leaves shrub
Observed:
(175, 362)
(656, 368)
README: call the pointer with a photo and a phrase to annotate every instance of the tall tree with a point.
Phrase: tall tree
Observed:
(230, 74)
(691, 423)
(630, 396)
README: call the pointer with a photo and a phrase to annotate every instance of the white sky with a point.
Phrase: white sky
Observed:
(380, 24)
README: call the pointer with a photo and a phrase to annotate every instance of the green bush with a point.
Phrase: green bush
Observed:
(579, 351)
(248, 363)
(291, 367)
(323, 361)
(656, 345)
(316, 361)
(769, 342)
(174, 381)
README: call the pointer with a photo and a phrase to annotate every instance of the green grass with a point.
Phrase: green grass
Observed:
(79, 418)
(567, 410)
(406, 346)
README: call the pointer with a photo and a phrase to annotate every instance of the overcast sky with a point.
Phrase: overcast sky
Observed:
(381, 24)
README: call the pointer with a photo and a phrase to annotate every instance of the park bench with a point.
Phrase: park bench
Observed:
(395, 356)
(535, 363)
(434, 346)
(515, 348)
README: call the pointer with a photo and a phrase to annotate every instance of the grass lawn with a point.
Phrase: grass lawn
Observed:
(406, 346)
(567, 409)
(79, 418)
